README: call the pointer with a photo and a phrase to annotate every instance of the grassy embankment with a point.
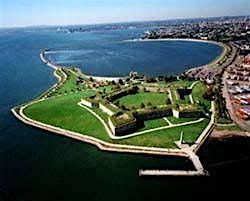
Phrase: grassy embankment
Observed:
(175, 96)
(62, 111)
(135, 100)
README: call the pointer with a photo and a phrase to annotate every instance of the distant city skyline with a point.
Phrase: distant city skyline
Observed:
(64, 12)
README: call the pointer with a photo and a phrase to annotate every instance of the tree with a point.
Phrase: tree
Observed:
(209, 94)
(117, 103)
(160, 78)
(123, 107)
(168, 101)
(127, 79)
(133, 107)
(117, 86)
(121, 82)
(142, 105)
(177, 106)
(149, 104)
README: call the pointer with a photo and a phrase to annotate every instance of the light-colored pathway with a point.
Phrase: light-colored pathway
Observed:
(199, 170)
(137, 133)
(169, 123)
(157, 129)
(99, 118)
(191, 95)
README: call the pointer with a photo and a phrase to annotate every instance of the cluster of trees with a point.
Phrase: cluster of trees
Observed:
(170, 78)
(149, 79)
(79, 80)
(209, 94)
(123, 92)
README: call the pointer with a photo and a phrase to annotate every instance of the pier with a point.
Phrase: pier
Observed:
(199, 169)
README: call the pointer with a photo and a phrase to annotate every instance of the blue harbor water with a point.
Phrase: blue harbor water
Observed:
(106, 54)
(37, 165)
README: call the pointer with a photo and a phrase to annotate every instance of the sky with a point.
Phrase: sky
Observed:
(64, 12)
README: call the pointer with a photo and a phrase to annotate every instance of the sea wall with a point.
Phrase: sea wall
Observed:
(99, 143)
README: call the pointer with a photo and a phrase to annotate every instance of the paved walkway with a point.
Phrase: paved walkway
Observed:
(157, 129)
(137, 133)
(206, 131)
(199, 170)
(191, 95)
(169, 123)
(100, 119)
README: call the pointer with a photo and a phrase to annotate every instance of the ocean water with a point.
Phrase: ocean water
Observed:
(38, 166)
(107, 54)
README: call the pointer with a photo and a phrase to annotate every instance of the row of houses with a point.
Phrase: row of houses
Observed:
(243, 113)
(238, 82)
(235, 88)
(242, 99)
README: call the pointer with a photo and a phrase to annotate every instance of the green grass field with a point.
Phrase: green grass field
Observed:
(154, 123)
(143, 97)
(176, 85)
(69, 85)
(174, 120)
(228, 128)
(197, 93)
(63, 112)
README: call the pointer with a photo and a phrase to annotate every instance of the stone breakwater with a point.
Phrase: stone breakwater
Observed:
(97, 78)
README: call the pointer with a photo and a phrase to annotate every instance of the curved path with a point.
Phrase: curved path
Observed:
(100, 119)
(92, 140)
(191, 95)
(137, 133)
(190, 153)
(159, 128)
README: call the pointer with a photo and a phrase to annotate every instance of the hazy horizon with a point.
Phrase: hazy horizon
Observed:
(22, 13)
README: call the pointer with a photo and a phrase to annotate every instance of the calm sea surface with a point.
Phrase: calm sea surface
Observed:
(39, 166)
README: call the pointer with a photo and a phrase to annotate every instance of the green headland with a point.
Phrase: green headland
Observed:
(136, 99)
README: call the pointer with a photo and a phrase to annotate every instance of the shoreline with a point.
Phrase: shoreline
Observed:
(213, 62)
(102, 145)
(111, 78)
(186, 152)
(98, 78)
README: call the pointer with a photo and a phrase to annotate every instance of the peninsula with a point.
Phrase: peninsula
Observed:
(164, 115)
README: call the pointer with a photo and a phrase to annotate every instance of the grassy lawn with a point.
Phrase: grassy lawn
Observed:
(154, 123)
(177, 85)
(174, 120)
(181, 83)
(166, 138)
(69, 85)
(63, 112)
(198, 92)
(143, 97)
(107, 89)
(229, 128)
(224, 121)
